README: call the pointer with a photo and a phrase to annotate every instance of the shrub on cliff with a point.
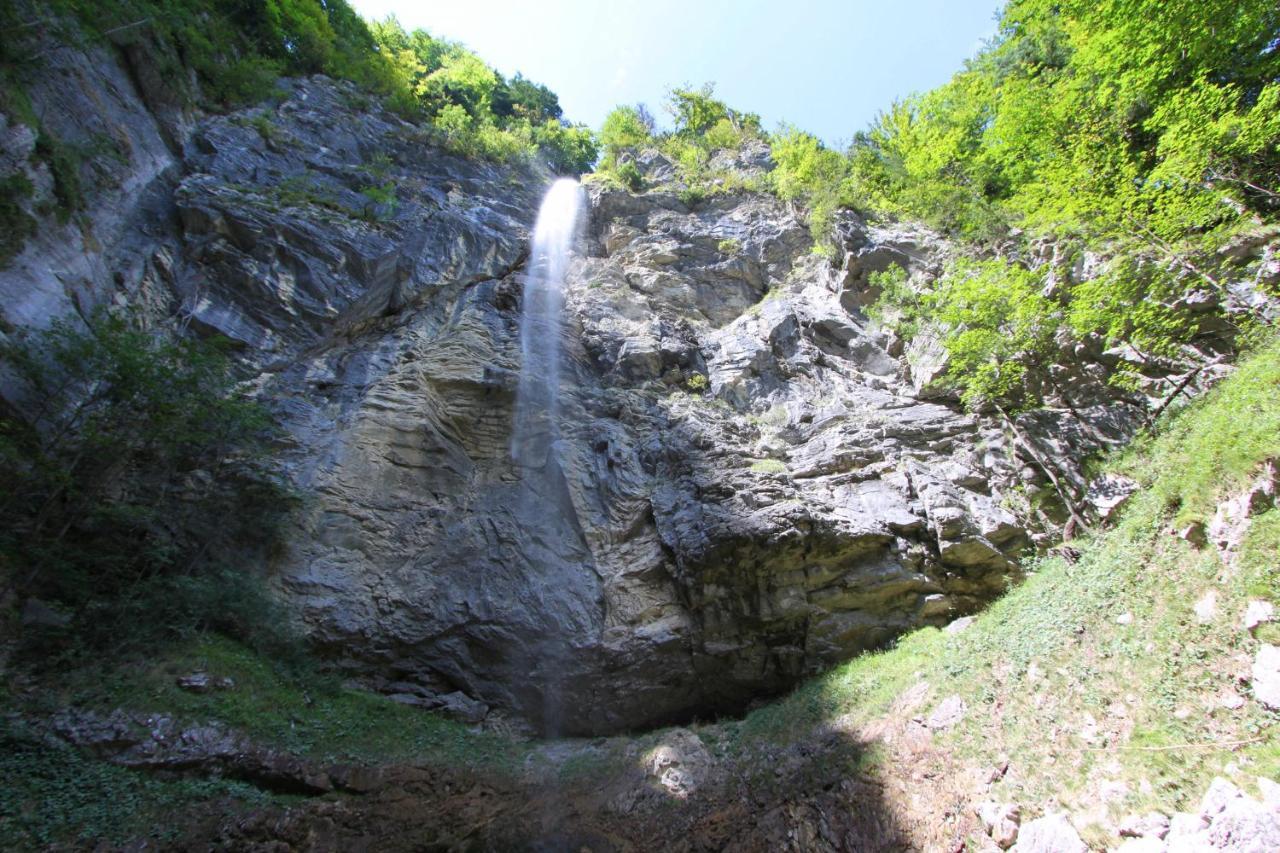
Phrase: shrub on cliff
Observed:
(238, 49)
(624, 130)
(136, 488)
(481, 112)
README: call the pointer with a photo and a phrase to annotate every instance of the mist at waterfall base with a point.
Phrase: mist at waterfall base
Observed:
(536, 434)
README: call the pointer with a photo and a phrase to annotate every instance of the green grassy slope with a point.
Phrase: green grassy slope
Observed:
(1095, 677)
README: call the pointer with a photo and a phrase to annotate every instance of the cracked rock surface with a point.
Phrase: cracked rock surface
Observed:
(751, 483)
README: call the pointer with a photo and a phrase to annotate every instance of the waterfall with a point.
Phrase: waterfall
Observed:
(542, 510)
(536, 426)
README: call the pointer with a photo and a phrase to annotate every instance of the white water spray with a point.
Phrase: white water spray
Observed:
(536, 427)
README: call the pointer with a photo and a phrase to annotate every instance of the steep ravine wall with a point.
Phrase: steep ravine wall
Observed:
(751, 486)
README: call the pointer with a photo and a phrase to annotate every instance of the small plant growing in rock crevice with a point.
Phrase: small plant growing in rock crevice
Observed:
(628, 174)
(266, 128)
(382, 202)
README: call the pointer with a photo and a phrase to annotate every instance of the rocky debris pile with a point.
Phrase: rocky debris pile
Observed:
(1226, 530)
(1265, 676)
(680, 764)
(1228, 819)
(1052, 833)
(1001, 821)
(160, 742)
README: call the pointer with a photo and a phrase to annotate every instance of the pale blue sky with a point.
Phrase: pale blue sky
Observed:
(824, 65)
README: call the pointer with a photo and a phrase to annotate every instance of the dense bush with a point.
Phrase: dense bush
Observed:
(702, 127)
(1141, 119)
(137, 494)
(809, 172)
(624, 130)
(482, 113)
(997, 324)
(1147, 132)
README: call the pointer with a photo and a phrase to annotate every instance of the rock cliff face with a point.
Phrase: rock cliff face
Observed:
(752, 482)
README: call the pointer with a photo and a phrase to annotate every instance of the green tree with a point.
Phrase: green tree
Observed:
(132, 469)
(461, 79)
(567, 149)
(624, 129)
(695, 111)
(809, 172)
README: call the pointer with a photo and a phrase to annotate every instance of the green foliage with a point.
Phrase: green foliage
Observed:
(134, 480)
(54, 794)
(897, 304)
(238, 49)
(628, 174)
(1214, 447)
(810, 173)
(624, 130)
(266, 127)
(15, 224)
(303, 189)
(246, 80)
(382, 201)
(1113, 119)
(64, 164)
(463, 80)
(698, 114)
(768, 466)
(569, 149)
(992, 319)
(703, 127)
(480, 113)
(1131, 301)
(1149, 131)
(997, 326)
(526, 99)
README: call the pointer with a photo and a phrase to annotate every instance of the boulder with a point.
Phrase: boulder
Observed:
(1265, 676)
(1052, 833)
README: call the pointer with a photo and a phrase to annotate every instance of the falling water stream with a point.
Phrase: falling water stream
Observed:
(537, 398)
(535, 438)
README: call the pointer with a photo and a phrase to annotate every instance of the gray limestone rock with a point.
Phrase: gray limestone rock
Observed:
(1052, 833)
(750, 482)
(1152, 824)
(1266, 676)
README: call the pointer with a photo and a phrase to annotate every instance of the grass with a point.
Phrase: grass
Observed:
(1079, 701)
(307, 714)
(1215, 444)
(57, 794)
(51, 795)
